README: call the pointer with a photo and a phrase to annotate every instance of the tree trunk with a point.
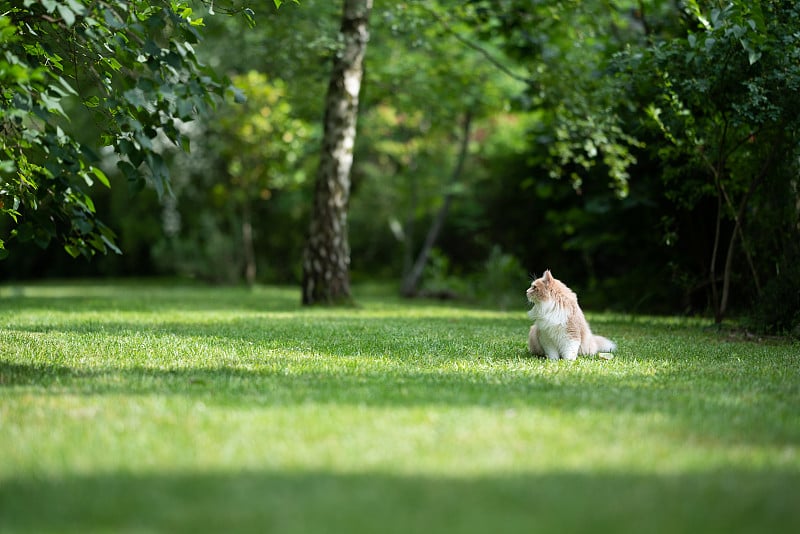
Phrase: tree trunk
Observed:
(412, 279)
(248, 245)
(738, 217)
(410, 227)
(712, 275)
(326, 259)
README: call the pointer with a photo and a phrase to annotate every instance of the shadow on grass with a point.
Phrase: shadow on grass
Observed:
(715, 412)
(149, 297)
(729, 502)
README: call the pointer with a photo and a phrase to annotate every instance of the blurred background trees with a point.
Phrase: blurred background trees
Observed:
(244, 157)
(644, 150)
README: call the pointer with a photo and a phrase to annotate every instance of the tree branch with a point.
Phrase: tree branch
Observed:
(411, 281)
(485, 53)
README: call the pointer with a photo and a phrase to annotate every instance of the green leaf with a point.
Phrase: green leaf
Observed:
(110, 244)
(127, 148)
(67, 14)
(52, 104)
(101, 176)
(129, 171)
(7, 166)
(68, 90)
(135, 97)
(113, 63)
(238, 95)
(25, 232)
(83, 225)
(112, 20)
(159, 173)
(151, 48)
(72, 250)
(77, 7)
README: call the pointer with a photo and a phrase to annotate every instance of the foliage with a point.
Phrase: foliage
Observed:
(423, 81)
(566, 47)
(132, 67)
(574, 118)
(728, 109)
(596, 150)
(262, 141)
(498, 285)
(395, 416)
(251, 152)
(777, 311)
(440, 280)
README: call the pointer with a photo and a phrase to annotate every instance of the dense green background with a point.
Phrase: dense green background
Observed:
(612, 142)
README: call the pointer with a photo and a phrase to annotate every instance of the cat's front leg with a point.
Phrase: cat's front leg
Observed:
(552, 354)
(534, 347)
(549, 348)
(571, 348)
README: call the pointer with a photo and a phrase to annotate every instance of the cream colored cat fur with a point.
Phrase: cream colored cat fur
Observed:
(559, 327)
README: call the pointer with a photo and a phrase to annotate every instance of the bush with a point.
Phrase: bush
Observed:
(503, 280)
(778, 309)
(501, 283)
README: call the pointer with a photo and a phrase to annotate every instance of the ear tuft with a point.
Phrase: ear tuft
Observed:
(547, 276)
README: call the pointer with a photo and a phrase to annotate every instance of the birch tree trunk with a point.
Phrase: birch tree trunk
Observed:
(326, 259)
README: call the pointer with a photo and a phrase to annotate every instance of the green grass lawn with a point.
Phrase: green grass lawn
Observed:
(154, 407)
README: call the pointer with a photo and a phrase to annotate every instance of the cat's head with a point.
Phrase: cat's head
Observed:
(541, 288)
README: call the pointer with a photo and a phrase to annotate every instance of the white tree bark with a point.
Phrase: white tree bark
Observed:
(326, 259)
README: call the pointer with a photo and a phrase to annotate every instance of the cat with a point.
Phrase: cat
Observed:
(559, 327)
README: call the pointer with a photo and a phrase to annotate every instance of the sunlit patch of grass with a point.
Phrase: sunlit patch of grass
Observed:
(167, 407)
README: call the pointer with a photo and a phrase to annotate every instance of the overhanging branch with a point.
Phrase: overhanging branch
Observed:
(478, 48)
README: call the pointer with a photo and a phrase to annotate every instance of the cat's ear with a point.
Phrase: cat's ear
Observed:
(547, 276)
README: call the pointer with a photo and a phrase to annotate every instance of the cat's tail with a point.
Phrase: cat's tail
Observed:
(604, 344)
(592, 344)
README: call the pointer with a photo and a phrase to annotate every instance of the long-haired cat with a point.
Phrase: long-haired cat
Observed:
(559, 327)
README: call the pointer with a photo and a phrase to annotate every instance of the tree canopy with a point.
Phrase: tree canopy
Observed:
(645, 149)
(130, 66)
